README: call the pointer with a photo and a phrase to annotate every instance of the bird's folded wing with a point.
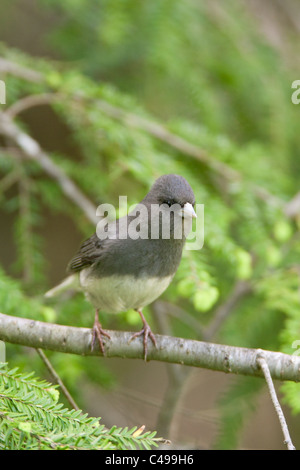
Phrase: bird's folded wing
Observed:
(90, 251)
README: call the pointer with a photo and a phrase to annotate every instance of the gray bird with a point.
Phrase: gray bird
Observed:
(135, 258)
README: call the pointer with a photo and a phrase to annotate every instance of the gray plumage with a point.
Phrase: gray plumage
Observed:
(139, 258)
(117, 274)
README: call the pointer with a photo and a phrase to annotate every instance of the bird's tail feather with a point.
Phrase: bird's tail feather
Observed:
(70, 282)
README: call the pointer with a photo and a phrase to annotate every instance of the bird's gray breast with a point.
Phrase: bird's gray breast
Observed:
(115, 294)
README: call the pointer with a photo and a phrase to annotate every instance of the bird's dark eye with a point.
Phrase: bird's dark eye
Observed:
(169, 202)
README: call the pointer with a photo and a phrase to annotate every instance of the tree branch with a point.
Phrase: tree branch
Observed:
(161, 133)
(188, 352)
(158, 131)
(30, 101)
(32, 150)
(6, 66)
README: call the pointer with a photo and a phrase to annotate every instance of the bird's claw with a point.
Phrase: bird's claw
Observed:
(97, 333)
(146, 331)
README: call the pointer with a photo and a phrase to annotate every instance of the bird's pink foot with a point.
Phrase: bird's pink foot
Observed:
(146, 332)
(97, 333)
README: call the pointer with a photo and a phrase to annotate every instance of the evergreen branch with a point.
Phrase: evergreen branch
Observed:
(218, 357)
(153, 128)
(156, 130)
(161, 133)
(32, 150)
(265, 368)
(32, 418)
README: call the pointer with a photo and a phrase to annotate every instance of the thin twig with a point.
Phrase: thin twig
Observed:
(292, 208)
(266, 371)
(32, 150)
(57, 378)
(29, 102)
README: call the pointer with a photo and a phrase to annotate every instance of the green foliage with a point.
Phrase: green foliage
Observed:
(31, 418)
(205, 72)
(201, 61)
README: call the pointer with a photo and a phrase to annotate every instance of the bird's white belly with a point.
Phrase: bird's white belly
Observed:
(115, 294)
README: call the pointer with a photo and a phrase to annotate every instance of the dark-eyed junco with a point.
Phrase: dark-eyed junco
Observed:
(132, 261)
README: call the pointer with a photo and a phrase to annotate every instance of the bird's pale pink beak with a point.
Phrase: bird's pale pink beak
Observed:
(188, 211)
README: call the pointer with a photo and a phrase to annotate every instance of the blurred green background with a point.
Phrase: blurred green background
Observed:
(217, 76)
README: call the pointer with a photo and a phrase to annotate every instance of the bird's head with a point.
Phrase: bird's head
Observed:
(172, 194)
(171, 190)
